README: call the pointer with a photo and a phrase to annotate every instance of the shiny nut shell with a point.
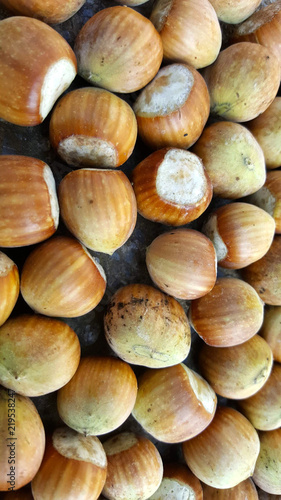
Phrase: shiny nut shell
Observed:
(245, 490)
(237, 372)
(269, 197)
(29, 210)
(265, 274)
(268, 466)
(242, 233)
(98, 207)
(234, 11)
(93, 127)
(271, 330)
(60, 278)
(232, 158)
(178, 481)
(267, 130)
(262, 27)
(112, 50)
(36, 65)
(51, 12)
(9, 286)
(182, 263)
(135, 467)
(263, 408)
(174, 403)
(231, 313)
(189, 30)
(233, 444)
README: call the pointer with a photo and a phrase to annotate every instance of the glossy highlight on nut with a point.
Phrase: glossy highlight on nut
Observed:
(232, 158)
(93, 127)
(265, 274)
(37, 65)
(29, 210)
(182, 263)
(230, 81)
(233, 444)
(190, 31)
(231, 313)
(9, 286)
(174, 404)
(51, 12)
(98, 207)
(60, 278)
(241, 233)
(124, 482)
(118, 49)
(237, 372)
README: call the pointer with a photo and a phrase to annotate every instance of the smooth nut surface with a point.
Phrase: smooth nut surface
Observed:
(174, 403)
(52, 12)
(232, 158)
(93, 127)
(29, 446)
(29, 210)
(241, 233)
(264, 275)
(233, 444)
(182, 263)
(98, 207)
(230, 81)
(100, 396)
(100, 45)
(189, 30)
(237, 372)
(37, 66)
(231, 313)
(60, 278)
(127, 482)
(9, 286)
(146, 327)
(38, 354)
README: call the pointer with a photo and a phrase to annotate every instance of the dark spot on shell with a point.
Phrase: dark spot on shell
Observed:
(135, 300)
